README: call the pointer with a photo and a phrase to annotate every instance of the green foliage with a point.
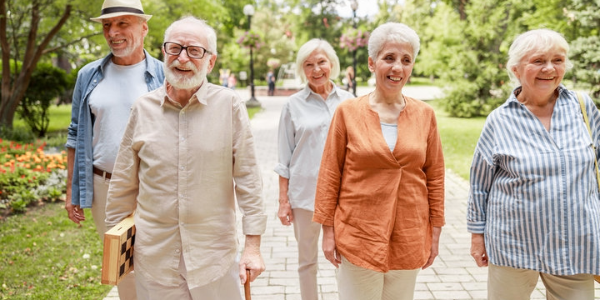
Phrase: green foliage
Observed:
(43, 255)
(47, 83)
(459, 138)
(18, 134)
(585, 48)
(277, 43)
(585, 54)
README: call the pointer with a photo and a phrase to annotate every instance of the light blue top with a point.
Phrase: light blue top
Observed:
(80, 130)
(534, 193)
(303, 128)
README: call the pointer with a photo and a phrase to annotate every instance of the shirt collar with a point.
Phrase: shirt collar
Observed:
(199, 95)
(513, 95)
(306, 91)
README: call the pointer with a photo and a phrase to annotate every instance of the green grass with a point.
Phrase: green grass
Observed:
(252, 111)
(459, 138)
(42, 256)
(422, 81)
(60, 117)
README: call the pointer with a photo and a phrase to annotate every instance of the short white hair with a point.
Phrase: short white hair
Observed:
(211, 36)
(393, 32)
(532, 40)
(308, 48)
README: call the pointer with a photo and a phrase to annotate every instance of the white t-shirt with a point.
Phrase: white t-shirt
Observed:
(110, 103)
(390, 134)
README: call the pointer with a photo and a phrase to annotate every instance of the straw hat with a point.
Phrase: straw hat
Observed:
(116, 8)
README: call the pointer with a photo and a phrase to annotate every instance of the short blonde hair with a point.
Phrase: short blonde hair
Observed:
(309, 47)
(531, 40)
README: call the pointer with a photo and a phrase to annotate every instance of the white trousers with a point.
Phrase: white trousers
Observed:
(126, 287)
(307, 235)
(518, 284)
(225, 288)
(356, 283)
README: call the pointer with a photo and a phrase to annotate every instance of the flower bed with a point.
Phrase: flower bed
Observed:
(29, 176)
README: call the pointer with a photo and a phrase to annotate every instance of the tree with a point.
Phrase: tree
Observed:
(50, 83)
(23, 19)
(585, 48)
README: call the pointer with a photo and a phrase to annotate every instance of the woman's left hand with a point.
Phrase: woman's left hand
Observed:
(435, 245)
(329, 249)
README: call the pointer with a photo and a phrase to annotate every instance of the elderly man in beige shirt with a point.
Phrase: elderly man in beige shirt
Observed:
(186, 156)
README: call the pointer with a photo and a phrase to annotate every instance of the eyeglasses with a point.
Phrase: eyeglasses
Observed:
(192, 51)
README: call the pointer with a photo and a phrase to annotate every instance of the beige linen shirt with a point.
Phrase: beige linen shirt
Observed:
(181, 169)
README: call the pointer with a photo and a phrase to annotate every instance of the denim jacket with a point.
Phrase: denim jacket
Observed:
(80, 130)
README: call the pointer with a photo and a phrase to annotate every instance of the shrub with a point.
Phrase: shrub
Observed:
(47, 83)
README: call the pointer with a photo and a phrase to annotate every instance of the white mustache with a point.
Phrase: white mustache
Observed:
(187, 66)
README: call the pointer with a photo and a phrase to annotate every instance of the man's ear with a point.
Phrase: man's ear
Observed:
(211, 62)
(145, 28)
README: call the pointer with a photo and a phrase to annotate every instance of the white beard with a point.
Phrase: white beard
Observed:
(184, 81)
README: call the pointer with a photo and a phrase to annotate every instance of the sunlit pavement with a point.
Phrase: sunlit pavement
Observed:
(454, 274)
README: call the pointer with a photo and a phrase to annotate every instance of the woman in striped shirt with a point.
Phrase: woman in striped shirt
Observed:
(533, 206)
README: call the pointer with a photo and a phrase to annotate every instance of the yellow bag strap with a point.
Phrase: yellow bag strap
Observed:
(587, 123)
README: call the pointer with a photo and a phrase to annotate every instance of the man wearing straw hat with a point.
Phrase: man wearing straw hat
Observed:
(102, 98)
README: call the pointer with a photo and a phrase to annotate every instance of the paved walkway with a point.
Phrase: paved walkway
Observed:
(454, 274)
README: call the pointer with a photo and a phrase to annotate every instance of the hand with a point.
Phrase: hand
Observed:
(329, 248)
(478, 251)
(285, 212)
(75, 213)
(435, 242)
(251, 259)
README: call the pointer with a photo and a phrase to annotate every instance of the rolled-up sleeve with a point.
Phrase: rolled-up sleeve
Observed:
(75, 106)
(286, 142)
(246, 174)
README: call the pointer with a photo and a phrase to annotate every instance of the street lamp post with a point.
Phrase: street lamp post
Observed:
(252, 102)
(354, 6)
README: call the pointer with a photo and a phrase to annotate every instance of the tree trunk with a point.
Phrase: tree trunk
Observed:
(12, 93)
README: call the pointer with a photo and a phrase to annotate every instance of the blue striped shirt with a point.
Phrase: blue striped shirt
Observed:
(534, 193)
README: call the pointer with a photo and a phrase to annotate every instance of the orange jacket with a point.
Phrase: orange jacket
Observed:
(382, 204)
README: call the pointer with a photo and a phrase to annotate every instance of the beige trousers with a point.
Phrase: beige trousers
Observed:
(518, 284)
(126, 287)
(356, 283)
(307, 235)
(225, 288)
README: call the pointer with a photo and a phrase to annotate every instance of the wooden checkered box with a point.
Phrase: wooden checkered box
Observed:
(117, 260)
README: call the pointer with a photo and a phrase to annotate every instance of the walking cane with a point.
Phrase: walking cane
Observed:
(247, 286)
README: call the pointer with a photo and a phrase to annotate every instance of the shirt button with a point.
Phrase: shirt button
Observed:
(182, 168)
(177, 250)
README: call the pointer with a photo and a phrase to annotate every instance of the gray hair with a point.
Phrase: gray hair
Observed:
(531, 40)
(393, 32)
(308, 48)
(211, 36)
